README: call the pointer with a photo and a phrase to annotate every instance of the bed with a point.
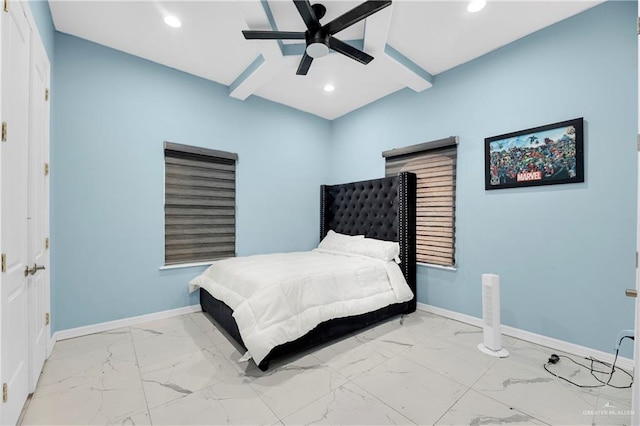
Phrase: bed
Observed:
(380, 209)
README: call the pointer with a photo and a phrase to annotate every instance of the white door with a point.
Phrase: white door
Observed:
(38, 211)
(13, 202)
(635, 396)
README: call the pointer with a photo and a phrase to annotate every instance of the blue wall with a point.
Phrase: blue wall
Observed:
(112, 112)
(42, 15)
(565, 253)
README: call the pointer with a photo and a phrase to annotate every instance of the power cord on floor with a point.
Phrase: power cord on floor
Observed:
(554, 359)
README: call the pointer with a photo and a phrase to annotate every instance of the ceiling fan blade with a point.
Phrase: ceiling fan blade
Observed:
(305, 63)
(308, 15)
(272, 35)
(350, 51)
(356, 14)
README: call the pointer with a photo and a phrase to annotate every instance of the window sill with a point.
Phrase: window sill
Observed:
(431, 265)
(186, 265)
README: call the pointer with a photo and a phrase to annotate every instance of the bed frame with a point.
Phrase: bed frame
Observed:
(380, 208)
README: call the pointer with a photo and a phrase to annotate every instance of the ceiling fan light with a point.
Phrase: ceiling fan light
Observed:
(329, 88)
(476, 5)
(317, 50)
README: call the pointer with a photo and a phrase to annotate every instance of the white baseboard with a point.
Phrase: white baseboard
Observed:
(538, 339)
(112, 325)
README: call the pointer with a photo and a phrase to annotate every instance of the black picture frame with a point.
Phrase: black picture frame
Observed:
(544, 155)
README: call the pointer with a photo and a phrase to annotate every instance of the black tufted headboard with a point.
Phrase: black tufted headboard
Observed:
(380, 208)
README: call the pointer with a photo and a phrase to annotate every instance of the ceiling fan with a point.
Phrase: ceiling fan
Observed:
(319, 38)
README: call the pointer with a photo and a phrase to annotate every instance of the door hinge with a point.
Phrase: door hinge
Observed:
(46, 169)
(46, 94)
(3, 261)
(46, 243)
(5, 392)
(46, 318)
(4, 131)
(6, 5)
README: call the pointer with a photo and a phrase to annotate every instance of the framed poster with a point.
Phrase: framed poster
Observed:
(544, 155)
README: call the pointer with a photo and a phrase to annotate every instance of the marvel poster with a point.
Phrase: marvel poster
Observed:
(544, 155)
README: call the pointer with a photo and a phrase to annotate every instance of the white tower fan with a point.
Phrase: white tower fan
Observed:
(492, 344)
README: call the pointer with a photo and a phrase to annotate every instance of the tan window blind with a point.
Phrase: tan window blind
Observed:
(434, 164)
(200, 192)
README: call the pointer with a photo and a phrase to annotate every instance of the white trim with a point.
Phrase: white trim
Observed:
(26, 7)
(538, 339)
(186, 265)
(111, 325)
(434, 266)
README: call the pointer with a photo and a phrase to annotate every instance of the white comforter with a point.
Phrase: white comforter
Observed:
(277, 298)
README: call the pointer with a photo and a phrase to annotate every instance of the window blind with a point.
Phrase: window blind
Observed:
(434, 164)
(200, 208)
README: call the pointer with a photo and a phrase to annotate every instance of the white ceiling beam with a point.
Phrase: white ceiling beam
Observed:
(270, 61)
(247, 85)
(256, 18)
(408, 72)
(396, 65)
(376, 31)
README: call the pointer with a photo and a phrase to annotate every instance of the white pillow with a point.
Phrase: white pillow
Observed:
(358, 244)
(338, 242)
(378, 249)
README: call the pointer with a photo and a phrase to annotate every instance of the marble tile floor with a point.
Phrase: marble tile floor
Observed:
(422, 369)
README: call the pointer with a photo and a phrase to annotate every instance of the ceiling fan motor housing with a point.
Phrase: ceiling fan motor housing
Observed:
(318, 43)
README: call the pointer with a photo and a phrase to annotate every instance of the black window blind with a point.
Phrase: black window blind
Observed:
(200, 207)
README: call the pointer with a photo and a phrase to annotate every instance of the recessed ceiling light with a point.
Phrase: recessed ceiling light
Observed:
(172, 21)
(476, 5)
(329, 88)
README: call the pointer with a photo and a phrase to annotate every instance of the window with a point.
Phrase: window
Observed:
(199, 204)
(434, 164)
